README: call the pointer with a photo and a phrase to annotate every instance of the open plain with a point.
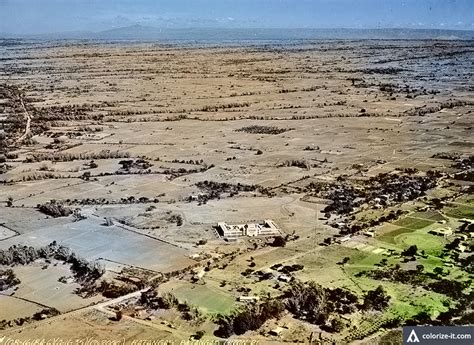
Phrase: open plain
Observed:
(129, 154)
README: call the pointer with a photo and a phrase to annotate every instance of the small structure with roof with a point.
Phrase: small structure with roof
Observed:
(248, 298)
(442, 231)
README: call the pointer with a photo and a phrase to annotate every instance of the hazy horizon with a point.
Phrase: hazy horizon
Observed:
(27, 17)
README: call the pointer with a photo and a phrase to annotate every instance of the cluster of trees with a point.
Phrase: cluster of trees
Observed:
(312, 148)
(39, 176)
(396, 274)
(278, 241)
(299, 163)
(424, 110)
(140, 164)
(176, 218)
(447, 155)
(343, 197)
(208, 108)
(464, 163)
(305, 89)
(257, 129)
(40, 315)
(467, 175)
(451, 288)
(417, 277)
(108, 289)
(190, 161)
(54, 209)
(251, 317)
(308, 301)
(400, 187)
(4, 167)
(182, 171)
(360, 225)
(13, 125)
(8, 279)
(89, 129)
(103, 201)
(68, 156)
(320, 305)
(383, 189)
(150, 299)
(215, 189)
(410, 251)
(460, 314)
(376, 299)
(67, 113)
(380, 70)
(287, 269)
(314, 303)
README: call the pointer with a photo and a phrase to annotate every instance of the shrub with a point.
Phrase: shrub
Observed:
(54, 209)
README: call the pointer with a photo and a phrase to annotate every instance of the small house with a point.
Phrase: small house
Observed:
(442, 232)
(248, 298)
(285, 278)
(276, 331)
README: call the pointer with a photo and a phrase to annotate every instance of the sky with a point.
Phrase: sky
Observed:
(50, 16)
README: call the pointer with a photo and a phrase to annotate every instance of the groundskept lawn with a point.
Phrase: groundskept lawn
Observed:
(206, 298)
(391, 236)
(404, 238)
(431, 244)
(414, 223)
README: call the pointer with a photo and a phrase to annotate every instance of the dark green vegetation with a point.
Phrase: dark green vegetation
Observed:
(256, 129)
(54, 209)
(152, 301)
(40, 315)
(8, 279)
(305, 301)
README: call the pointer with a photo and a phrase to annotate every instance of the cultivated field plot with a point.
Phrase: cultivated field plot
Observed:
(93, 325)
(94, 241)
(461, 210)
(6, 233)
(13, 308)
(414, 223)
(41, 285)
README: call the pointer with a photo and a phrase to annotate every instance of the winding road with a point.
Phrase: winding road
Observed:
(28, 122)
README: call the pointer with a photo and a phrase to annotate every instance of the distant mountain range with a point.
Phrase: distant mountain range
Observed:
(148, 33)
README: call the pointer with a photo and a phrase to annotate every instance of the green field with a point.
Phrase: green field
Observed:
(206, 298)
(431, 244)
(390, 237)
(406, 303)
(431, 215)
(404, 238)
(460, 211)
(414, 223)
